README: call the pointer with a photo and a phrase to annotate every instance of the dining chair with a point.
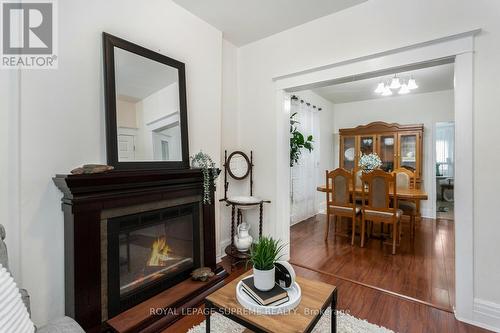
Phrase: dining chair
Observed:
(376, 205)
(405, 180)
(339, 183)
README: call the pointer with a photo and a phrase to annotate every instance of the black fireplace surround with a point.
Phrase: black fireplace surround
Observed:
(149, 252)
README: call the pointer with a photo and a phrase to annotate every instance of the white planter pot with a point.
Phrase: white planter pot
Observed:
(263, 280)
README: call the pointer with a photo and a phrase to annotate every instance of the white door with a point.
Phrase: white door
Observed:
(126, 147)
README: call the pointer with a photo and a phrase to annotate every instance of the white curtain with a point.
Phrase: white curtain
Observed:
(305, 174)
(445, 148)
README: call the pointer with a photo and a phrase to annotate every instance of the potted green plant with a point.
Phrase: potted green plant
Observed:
(298, 141)
(210, 172)
(263, 255)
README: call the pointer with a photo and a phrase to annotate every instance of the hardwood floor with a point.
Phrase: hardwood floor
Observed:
(428, 267)
(422, 269)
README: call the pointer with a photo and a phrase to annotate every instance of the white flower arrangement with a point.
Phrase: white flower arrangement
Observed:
(369, 162)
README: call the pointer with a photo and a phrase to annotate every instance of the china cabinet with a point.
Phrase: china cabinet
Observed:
(397, 145)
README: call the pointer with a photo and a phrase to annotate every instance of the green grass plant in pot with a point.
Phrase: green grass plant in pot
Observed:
(263, 255)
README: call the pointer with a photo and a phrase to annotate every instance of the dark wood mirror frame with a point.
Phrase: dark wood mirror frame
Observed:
(109, 43)
(228, 164)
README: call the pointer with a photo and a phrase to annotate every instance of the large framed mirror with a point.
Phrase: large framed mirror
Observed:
(146, 112)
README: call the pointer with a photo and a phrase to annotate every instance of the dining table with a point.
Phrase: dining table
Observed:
(410, 194)
(414, 194)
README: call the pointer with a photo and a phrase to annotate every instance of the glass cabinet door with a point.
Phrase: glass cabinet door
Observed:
(366, 144)
(387, 151)
(408, 146)
(348, 153)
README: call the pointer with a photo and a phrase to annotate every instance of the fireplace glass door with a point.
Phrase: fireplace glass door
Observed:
(149, 252)
(155, 252)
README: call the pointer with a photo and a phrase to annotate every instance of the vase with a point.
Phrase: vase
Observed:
(263, 280)
(242, 239)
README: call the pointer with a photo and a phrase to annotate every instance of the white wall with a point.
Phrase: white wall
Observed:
(9, 159)
(229, 136)
(426, 109)
(62, 119)
(125, 114)
(363, 30)
(161, 103)
(158, 110)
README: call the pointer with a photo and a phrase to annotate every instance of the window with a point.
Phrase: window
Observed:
(445, 148)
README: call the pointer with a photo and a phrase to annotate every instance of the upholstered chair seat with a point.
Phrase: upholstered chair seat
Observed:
(346, 209)
(61, 325)
(408, 207)
(376, 213)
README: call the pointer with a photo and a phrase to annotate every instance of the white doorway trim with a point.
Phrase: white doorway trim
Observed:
(461, 48)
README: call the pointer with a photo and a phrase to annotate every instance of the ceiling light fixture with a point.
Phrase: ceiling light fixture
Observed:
(380, 88)
(402, 85)
(404, 89)
(387, 91)
(412, 84)
(395, 84)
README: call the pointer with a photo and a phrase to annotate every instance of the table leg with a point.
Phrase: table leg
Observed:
(208, 312)
(334, 312)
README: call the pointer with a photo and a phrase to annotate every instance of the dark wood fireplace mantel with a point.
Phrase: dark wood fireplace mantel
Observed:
(86, 197)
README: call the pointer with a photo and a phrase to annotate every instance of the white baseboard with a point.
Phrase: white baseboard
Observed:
(485, 314)
(428, 213)
(223, 244)
(322, 207)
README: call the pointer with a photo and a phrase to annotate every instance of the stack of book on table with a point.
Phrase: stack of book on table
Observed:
(273, 297)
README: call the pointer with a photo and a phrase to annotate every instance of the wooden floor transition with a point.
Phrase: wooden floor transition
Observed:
(409, 292)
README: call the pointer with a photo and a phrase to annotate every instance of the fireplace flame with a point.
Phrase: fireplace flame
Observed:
(159, 252)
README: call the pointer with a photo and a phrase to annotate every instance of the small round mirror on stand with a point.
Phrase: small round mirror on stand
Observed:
(238, 165)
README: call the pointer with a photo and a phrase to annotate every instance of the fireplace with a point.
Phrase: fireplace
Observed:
(131, 239)
(149, 252)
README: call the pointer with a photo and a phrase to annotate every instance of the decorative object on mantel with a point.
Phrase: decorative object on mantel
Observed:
(238, 166)
(298, 141)
(91, 168)
(263, 255)
(369, 162)
(207, 165)
(202, 274)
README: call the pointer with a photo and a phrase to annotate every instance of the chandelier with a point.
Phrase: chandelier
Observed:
(401, 85)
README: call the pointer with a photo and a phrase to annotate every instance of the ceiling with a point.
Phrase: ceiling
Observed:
(245, 21)
(429, 79)
(138, 77)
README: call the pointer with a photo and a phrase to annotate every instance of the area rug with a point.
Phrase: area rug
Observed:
(346, 324)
